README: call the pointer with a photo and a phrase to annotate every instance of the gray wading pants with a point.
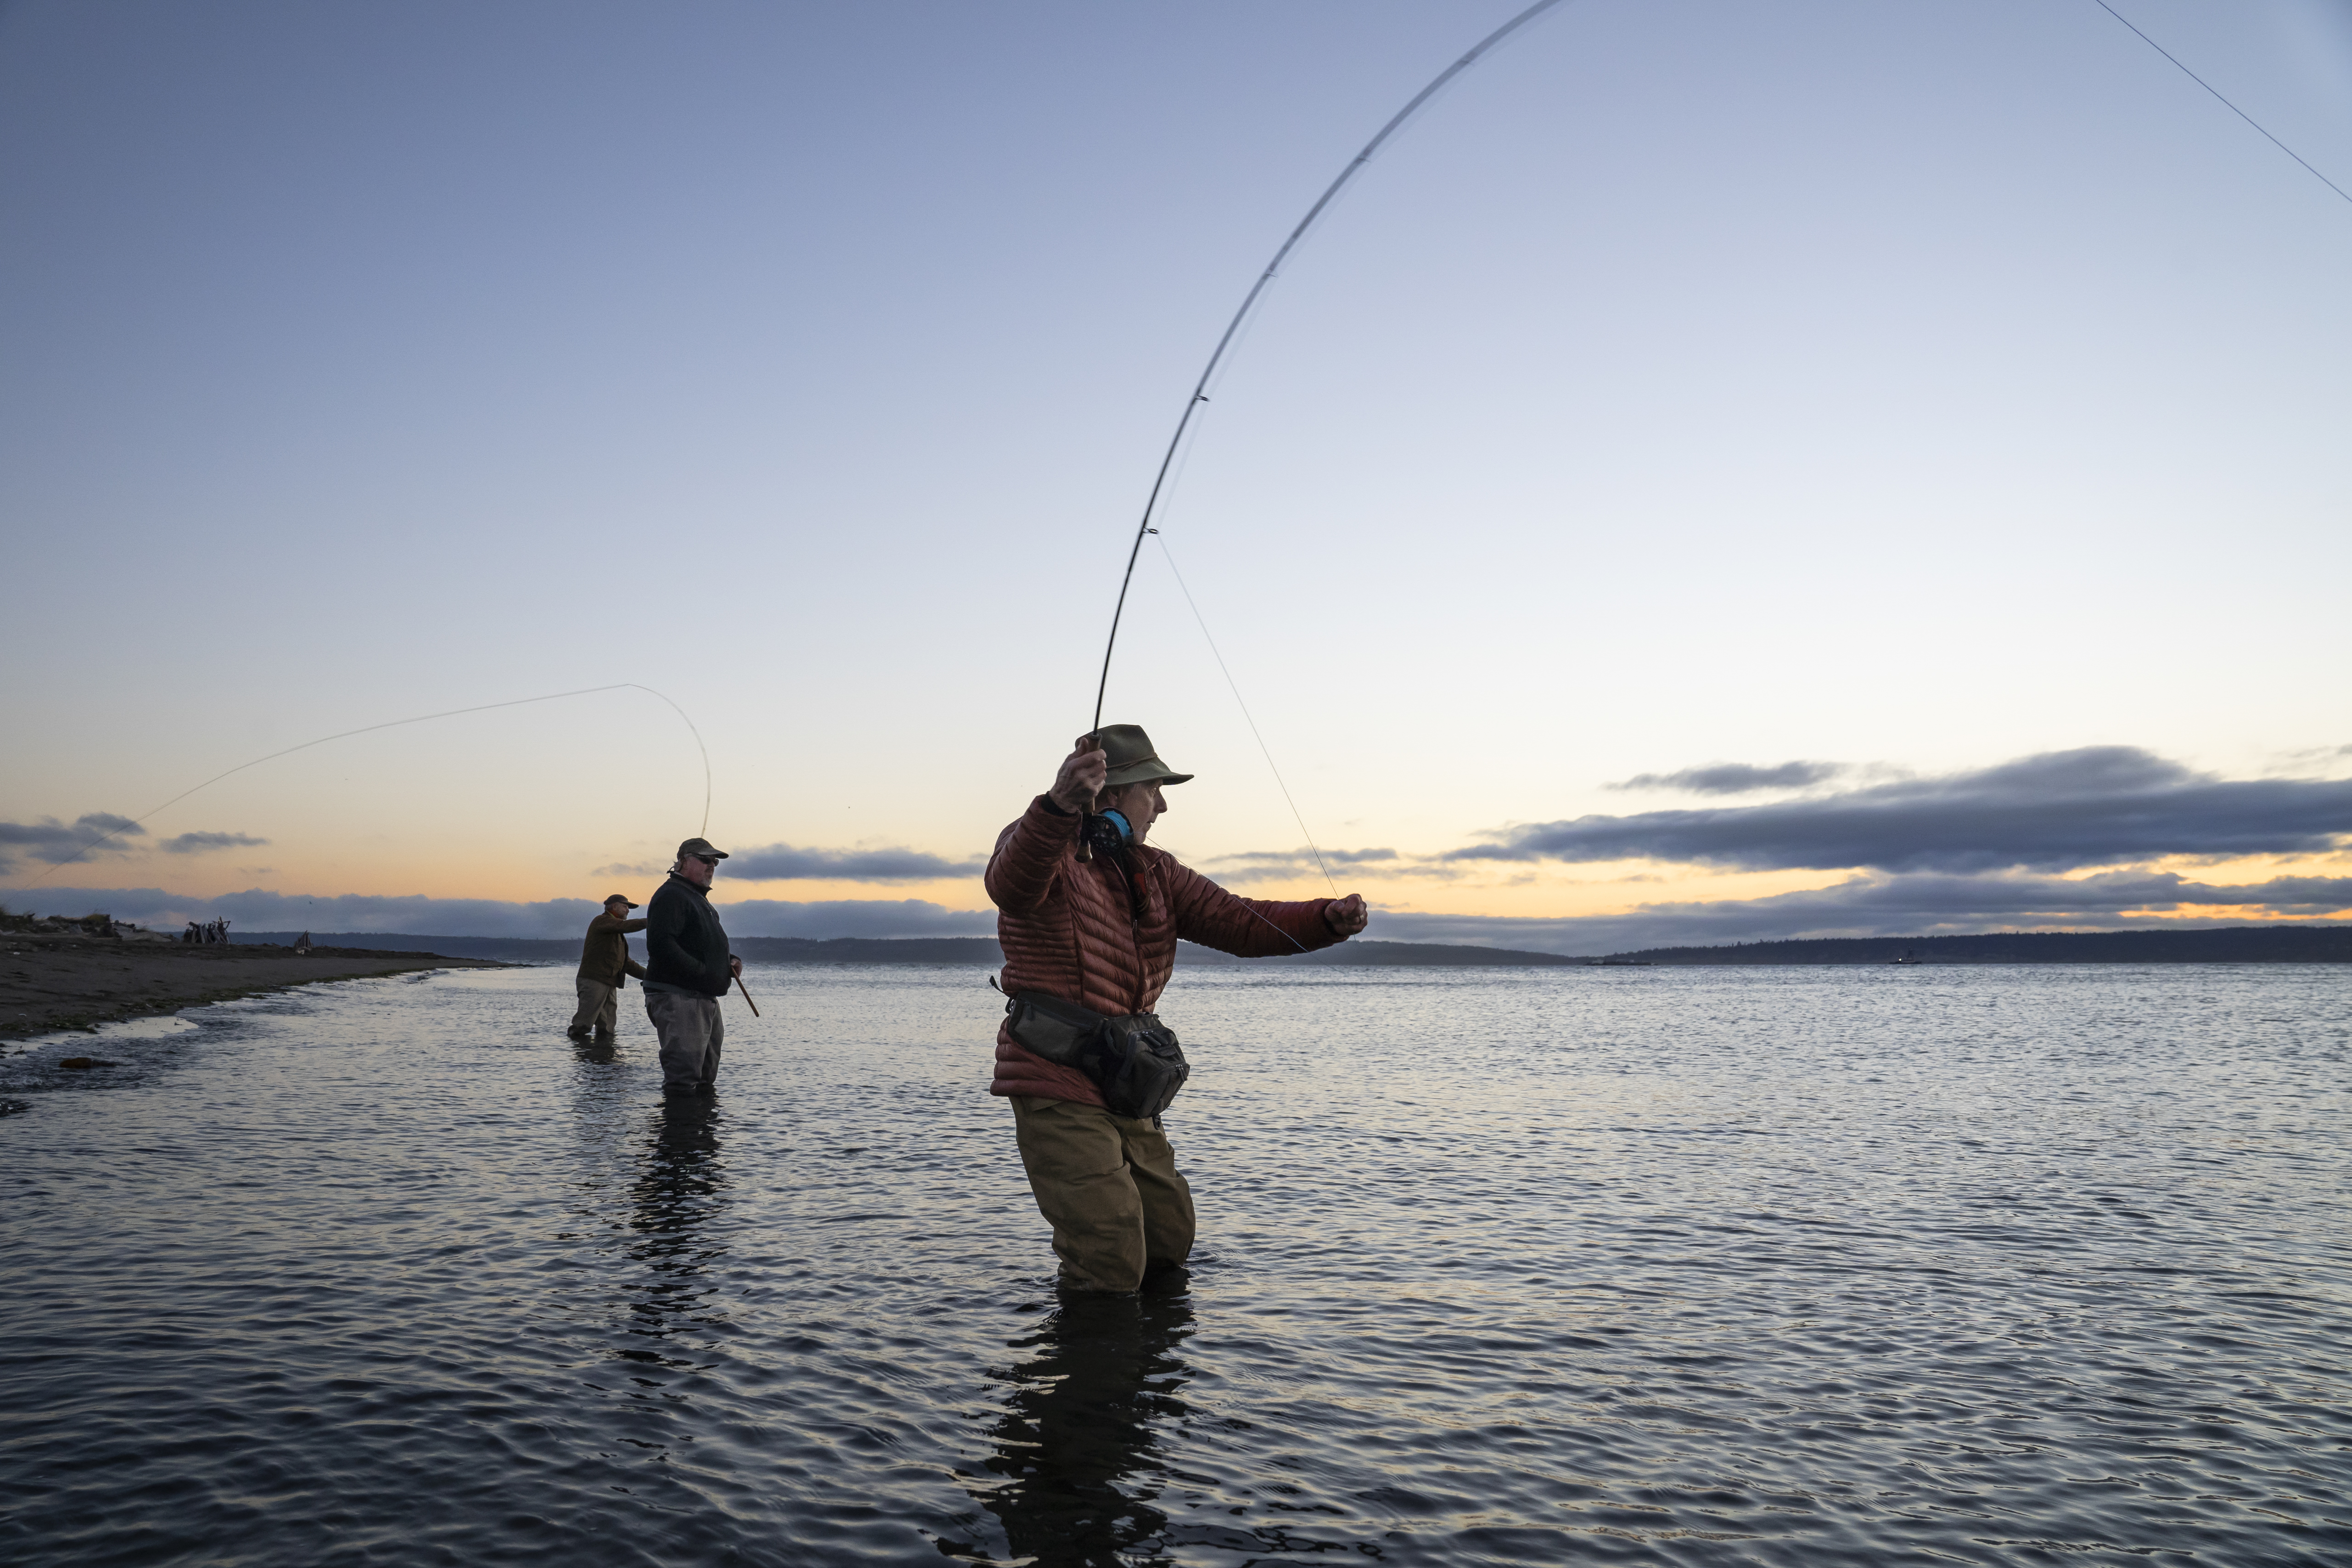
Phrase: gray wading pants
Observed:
(600, 1006)
(1110, 1187)
(689, 1029)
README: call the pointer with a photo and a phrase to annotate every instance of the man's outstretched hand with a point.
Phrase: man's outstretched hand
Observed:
(1347, 916)
(1081, 776)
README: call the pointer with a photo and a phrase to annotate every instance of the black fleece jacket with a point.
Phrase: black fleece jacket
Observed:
(684, 944)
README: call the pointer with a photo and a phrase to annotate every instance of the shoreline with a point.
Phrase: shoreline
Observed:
(54, 984)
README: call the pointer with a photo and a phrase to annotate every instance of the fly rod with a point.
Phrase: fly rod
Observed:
(747, 996)
(1200, 389)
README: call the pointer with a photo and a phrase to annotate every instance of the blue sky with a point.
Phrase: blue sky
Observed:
(1913, 390)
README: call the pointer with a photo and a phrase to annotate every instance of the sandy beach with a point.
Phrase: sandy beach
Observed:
(52, 983)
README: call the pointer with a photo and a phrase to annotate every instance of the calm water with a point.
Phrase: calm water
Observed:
(1787, 1265)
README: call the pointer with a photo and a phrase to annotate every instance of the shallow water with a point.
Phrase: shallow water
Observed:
(1674, 1266)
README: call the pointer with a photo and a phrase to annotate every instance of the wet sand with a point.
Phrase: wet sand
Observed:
(52, 983)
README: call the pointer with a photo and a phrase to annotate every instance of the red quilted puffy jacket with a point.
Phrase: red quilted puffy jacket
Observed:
(1068, 929)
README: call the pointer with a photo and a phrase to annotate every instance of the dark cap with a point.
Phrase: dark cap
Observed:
(700, 846)
(1132, 761)
(618, 898)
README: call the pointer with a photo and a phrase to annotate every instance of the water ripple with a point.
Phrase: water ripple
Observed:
(1684, 1267)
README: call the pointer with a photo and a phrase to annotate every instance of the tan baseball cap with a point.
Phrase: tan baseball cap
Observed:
(618, 898)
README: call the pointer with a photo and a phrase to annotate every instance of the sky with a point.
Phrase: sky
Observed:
(1723, 472)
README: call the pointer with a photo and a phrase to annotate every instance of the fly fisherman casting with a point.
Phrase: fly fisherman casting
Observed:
(1088, 915)
(1088, 947)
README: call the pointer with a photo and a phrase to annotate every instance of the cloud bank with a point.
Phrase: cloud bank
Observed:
(1919, 904)
(1966, 852)
(1735, 778)
(1922, 904)
(197, 843)
(54, 843)
(2100, 805)
(94, 834)
(784, 862)
(1252, 866)
(258, 910)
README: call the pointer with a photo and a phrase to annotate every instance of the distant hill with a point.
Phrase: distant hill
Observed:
(975, 950)
(2226, 944)
(2230, 944)
(1393, 954)
(979, 949)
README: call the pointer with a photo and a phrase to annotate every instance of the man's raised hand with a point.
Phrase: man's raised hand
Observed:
(1347, 916)
(1081, 776)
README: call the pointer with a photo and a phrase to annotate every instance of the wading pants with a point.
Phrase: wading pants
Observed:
(689, 1029)
(600, 1008)
(1110, 1187)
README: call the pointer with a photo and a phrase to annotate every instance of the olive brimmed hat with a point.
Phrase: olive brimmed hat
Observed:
(1132, 759)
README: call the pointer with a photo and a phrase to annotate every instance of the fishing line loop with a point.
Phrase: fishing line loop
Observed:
(1202, 622)
(1396, 122)
(1259, 917)
(395, 724)
(2225, 103)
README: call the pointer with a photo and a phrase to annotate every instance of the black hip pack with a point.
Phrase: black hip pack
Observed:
(1133, 1059)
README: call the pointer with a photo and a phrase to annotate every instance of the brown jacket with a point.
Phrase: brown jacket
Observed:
(606, 957)
(1068, 929)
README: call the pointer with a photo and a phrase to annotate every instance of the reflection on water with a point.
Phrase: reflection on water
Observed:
(679, 1190)
(1075, 1450)
(1808, 1268)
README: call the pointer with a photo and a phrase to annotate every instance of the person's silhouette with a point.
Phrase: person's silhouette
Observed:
(1074, 1446)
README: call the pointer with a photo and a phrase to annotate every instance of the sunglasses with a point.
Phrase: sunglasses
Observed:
(707, 859)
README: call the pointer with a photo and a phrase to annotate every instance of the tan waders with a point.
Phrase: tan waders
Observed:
(600, 1008)
(1110, 1187)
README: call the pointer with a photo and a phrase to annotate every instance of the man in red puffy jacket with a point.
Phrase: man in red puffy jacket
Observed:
(1098, 928)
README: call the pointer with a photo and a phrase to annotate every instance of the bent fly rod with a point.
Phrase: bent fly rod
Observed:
(1200, 389)
(1396, 122)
